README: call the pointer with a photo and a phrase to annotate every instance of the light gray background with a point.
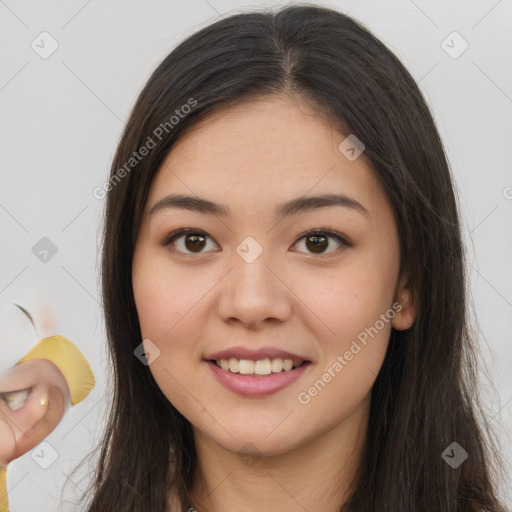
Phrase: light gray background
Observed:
(61, 118)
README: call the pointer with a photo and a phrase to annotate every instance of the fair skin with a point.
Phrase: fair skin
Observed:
(194, 302)
(24, 422)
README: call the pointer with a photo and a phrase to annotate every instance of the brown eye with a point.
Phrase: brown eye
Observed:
(194, 242)
(190, 241)
(317, 241)
(187, 241)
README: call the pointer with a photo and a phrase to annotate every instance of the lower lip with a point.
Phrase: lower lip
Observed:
(253, 385)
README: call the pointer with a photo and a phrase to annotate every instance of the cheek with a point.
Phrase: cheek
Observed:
(166, 296)
(347, 300)
(172, 316)
(355, 305)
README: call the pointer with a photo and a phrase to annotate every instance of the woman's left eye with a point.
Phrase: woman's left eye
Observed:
(317, 240)
(194, 240)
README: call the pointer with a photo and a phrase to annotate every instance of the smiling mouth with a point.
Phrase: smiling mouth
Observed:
(258, 368)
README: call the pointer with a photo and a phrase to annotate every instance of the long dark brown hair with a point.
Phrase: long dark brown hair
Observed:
(425, 396)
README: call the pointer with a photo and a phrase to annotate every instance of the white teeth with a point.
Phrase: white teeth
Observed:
(245, 366)
(233, 364)
(277, 365)
(262, 367)
(259, 367)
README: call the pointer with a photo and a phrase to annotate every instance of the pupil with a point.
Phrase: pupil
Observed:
(197, 241)
(318, 245)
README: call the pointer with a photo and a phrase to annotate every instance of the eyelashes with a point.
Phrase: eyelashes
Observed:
(180, 233)
(199, 237)
(323, 233)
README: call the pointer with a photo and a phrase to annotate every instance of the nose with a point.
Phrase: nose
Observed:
(255, 292)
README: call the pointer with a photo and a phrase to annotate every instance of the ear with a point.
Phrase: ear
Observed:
(406, 309)
(34, 396)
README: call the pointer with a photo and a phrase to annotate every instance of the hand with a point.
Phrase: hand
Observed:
(34, 396)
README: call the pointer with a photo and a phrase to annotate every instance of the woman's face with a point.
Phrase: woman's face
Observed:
(246, 284)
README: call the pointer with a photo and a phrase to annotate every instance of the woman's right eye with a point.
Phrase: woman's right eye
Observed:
(15, 400)
(187, 239)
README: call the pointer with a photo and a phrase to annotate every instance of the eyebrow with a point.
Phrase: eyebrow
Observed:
(288, 208)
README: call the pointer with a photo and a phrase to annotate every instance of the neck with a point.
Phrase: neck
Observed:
(318, 475)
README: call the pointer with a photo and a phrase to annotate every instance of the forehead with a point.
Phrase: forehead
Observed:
(264, 152)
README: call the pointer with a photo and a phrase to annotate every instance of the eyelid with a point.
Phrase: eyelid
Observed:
(168, 240)
(182, 231)
(326, 231)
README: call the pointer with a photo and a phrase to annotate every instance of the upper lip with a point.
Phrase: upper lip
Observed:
(240, 352)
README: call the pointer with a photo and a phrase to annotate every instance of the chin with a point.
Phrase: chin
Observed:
(255, 444)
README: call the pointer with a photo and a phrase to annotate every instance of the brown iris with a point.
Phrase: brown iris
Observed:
(319, 243)
(197, 242)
